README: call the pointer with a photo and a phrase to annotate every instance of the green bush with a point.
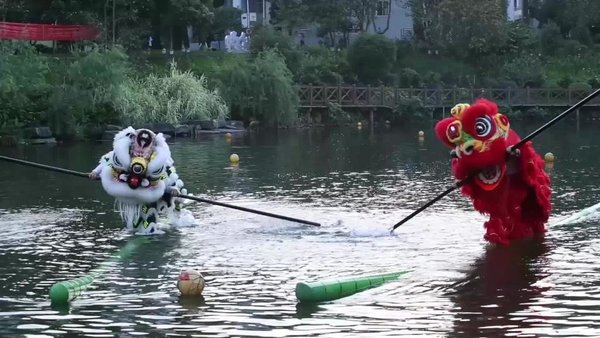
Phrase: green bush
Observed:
(319, 66)
(409, 108)
(594, 82)
(580, 86)
(266, 38)
(177, 98)
(260, 89)
(371, 57)
(565, 81)
(408, 77)
(87, 93)
(24, 86)
(550, 38)
(526, 71)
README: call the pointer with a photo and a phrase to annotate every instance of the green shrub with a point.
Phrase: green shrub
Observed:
(24, 86)
(261, 89)
(87, 93)
(371, 57)
(409, 108)
(580, 86)
(409, 78)
(319, 66)
(266, 38)
(550, 38)
(565, 81)
(177, 98)
(594, 82)
(526, 71)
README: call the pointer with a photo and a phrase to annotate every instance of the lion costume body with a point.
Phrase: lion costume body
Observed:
(511, 186)
(140, 174)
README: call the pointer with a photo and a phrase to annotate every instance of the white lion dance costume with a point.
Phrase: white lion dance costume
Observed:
(140, 175)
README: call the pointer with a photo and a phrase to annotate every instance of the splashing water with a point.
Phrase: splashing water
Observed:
(588, 214)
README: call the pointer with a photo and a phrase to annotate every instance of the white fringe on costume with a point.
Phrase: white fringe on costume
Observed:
(130, 213)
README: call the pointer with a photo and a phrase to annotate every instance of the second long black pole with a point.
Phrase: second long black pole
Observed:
(517, 145)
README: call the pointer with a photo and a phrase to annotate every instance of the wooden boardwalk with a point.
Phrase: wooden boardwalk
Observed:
(388, 97)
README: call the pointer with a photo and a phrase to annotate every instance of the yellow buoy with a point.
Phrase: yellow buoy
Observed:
(421, 133)
(549, 157)
(234, 158)
(190, 283)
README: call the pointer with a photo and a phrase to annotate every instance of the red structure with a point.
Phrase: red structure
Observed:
(47, 32)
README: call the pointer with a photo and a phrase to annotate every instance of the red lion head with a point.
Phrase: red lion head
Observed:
(480, 136)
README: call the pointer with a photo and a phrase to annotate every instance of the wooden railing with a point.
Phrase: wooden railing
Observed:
(388, 97)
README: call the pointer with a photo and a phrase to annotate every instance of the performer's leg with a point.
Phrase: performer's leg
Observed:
(496, 231)
(147, 220)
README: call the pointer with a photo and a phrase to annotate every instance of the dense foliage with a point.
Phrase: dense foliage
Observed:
(84, 92)
(461, 43)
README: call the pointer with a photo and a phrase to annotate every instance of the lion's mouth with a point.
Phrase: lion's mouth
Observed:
(489, 178)
(132, 180)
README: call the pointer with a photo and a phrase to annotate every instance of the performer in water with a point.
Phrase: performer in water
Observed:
(140, 174)
(510, 185)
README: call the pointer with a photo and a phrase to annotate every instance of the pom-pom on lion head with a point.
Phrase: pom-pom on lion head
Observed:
(479, 135)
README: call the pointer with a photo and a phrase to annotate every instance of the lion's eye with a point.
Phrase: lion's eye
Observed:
(483, 126)
(116, 160)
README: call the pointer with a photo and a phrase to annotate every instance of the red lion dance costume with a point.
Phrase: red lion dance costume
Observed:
(509, 185)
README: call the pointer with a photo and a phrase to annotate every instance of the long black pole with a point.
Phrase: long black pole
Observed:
(43, 166)
(517, 145)
(199, 199)
(194, 198)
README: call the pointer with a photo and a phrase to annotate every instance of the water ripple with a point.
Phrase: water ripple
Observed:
(357, 186)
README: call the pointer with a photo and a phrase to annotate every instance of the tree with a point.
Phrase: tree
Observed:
(332, 16)
(290, 14)
(226, 19)
(575, 18)
(424, 13)
(371, 57)
(469, 30)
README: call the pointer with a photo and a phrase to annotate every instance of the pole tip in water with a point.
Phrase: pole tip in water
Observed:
(234, 158)
(305, 293)
(59, 293)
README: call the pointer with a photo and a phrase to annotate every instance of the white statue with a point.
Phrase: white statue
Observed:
(242, 42)
(235, 43)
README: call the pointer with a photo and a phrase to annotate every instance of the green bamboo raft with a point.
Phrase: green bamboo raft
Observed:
(64, 292)
(331, 289)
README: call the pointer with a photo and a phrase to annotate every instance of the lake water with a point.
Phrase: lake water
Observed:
(357, 184)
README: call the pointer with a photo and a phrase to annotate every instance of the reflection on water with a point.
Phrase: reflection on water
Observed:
(354, 182)
(497, 285)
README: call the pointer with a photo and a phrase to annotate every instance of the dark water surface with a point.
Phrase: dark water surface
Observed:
(357, 184)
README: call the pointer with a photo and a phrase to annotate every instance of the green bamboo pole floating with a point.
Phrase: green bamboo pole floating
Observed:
(330, 289)
(64, 292)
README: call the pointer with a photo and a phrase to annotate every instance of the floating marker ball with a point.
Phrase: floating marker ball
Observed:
(421, 133)
(59, 293)
(234, 158)
(387, 121)
(190, 283)
(549, 157)
(227, 135)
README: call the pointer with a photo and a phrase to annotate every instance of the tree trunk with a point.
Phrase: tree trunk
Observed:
(387, 25)
(114, 22)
